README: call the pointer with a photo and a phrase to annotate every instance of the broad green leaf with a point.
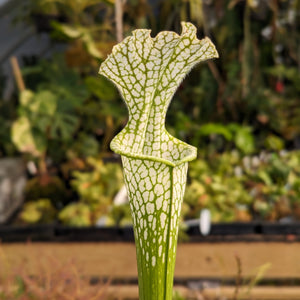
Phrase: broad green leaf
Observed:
(86, 145)
(274, 142)
(243, 137)
(147, 72)
(26, 138)
(39, 211)
(64, 126)
(76, 214)
(44, 103)
(213, 128)
(244, 140)
(25, 97)
(101, 88)
(80, 32)
(90, 45)
(70, 31)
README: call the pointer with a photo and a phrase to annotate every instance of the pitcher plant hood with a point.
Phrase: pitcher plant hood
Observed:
(147, 72)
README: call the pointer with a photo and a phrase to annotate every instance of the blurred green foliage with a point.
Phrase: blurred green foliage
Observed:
(49, 115)
(255, 81)
(236, 187)
(241, 111)
(51, 188)
(96, 190)
(40, 211)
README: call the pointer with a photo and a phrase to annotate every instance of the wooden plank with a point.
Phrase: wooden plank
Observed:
(116, 260)
(225, 292)
(218, 259)
(130, 292)
(205, 260)
(257, 293)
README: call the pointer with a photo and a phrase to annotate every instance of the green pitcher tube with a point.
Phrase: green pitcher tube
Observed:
(147, 72)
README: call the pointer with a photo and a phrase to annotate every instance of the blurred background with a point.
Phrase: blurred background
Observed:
(58, 116)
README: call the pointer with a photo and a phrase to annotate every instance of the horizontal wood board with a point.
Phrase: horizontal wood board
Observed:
(194, 260)
(222, 292)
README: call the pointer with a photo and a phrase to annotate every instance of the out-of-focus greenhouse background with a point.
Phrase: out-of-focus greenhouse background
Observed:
(242, 111)
(60, 182)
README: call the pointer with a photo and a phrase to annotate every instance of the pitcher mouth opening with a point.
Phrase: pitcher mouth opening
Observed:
(172, 152)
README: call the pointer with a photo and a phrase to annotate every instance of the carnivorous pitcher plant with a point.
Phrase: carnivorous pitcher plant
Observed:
(147, 72)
